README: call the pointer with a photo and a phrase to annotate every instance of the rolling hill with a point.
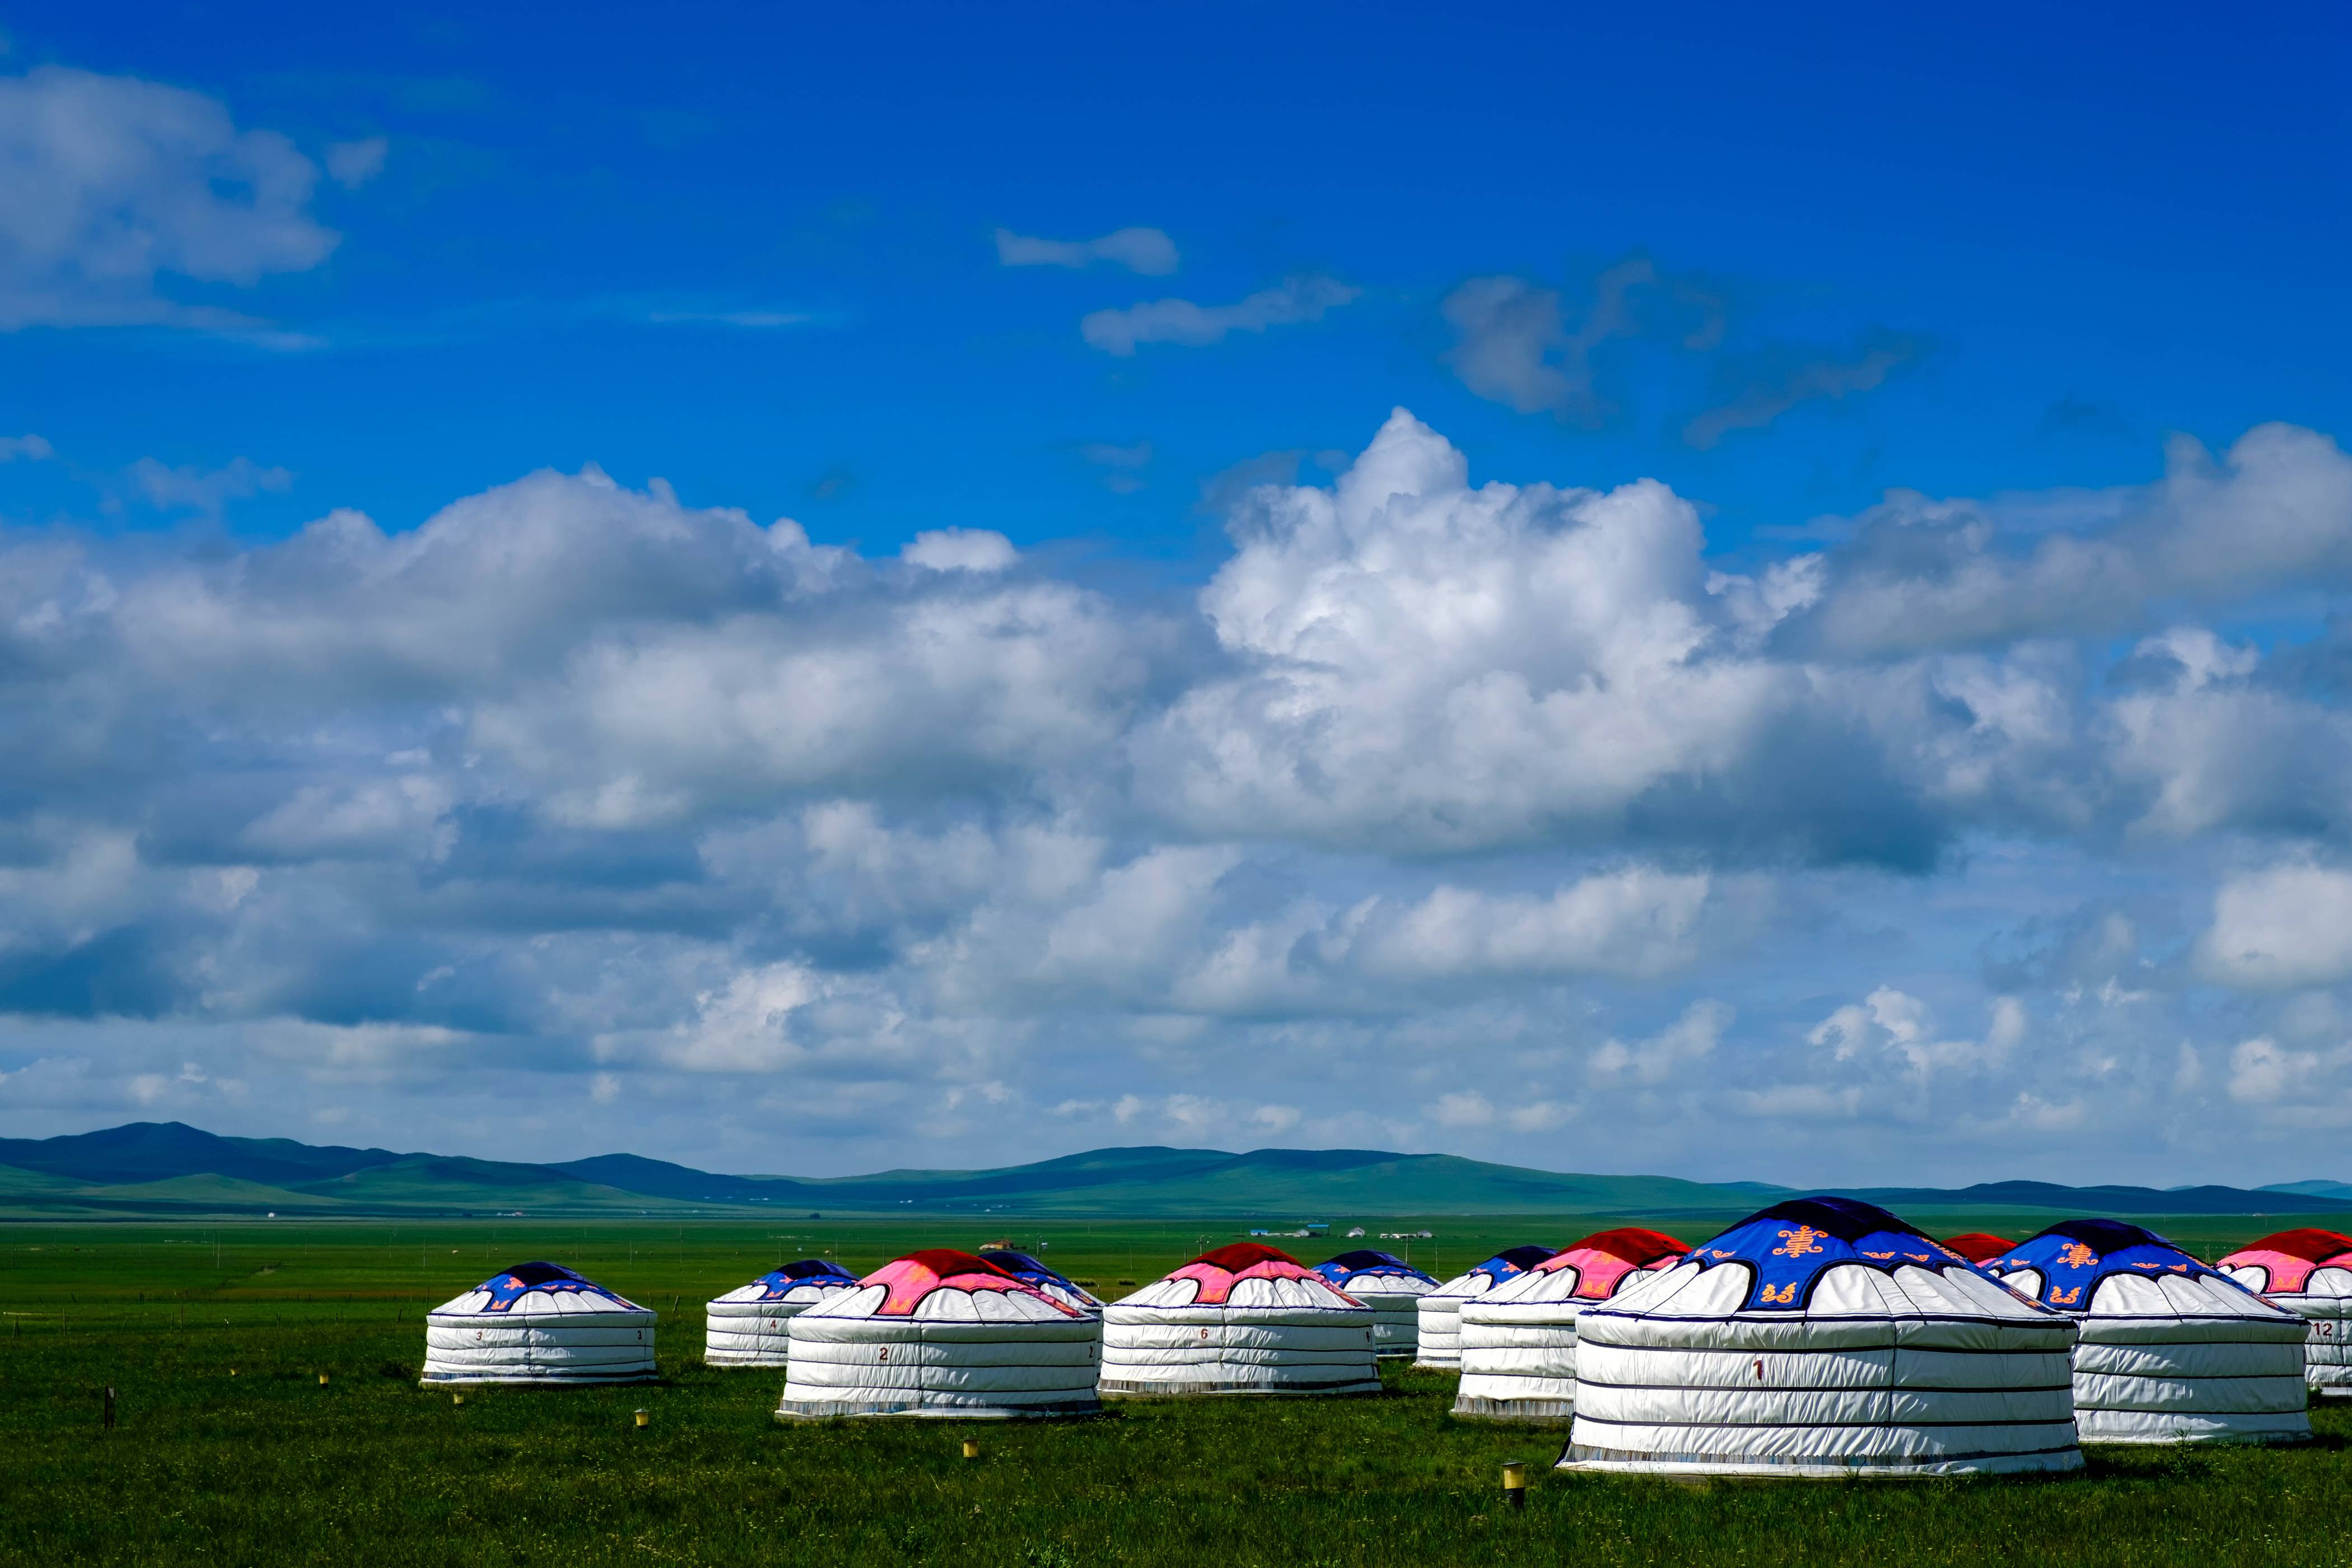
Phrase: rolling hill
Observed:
(170, 1169)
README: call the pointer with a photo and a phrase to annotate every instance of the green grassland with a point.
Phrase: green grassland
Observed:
(229, 1448)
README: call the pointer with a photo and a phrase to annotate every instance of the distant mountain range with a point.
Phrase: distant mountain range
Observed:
(164, 1169)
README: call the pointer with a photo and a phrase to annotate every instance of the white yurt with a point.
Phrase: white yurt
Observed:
(1438, 1341)
(2171, 1351)
(1519, 1340)
(1822, 1336)
(941, 1333)
(1245, 1318)
(1391, 1288)
(539, 1323)
(2308, 1273)
(750, 1326)
(1030, 1272)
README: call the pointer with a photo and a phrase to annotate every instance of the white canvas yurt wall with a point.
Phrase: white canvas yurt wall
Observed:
(1391, 1288)
(750, 1326)
(1822, 1336)
(1519, 1340)
(1243, 1319)
(1438, 1341)
(941, 1333)
(2308, 1273)
(1030, 1272)
(539, 1323)
(2171, 1351)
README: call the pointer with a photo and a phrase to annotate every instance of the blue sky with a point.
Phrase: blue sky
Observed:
(1904, 781)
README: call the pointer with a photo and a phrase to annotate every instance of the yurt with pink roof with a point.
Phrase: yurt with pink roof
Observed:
(1519, 1340)
(1245, 1318)
(941, 1333)
(2308, 1273)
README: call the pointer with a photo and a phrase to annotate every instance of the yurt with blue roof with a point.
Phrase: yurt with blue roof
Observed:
(1439, 1335)
(752, 1325)
(1822, 1336)
(2308, 1273)
(1391, 1288)
(1030, 1272)
(539, 1323)
(2171, 1350)
(942, 1333)
(1519, 1340)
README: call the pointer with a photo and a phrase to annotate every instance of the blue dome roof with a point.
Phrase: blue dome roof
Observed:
(807, 1271)
(1363, 1262)
(2074, 1255)
(1515, 1260)
(1025, 1268)
(1789, 1245)
(508, 1288)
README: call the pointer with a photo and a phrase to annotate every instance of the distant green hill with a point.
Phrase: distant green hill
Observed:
(171, 1169)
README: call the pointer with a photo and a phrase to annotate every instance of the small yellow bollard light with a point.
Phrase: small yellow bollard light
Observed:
(1515, 1482)
(232, 1372)
(971, 1449)
(645, 1418)
(322, 1380)
(456, 1399)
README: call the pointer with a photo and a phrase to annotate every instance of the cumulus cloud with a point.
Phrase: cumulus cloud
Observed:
(2280, 928)
(1446, 812)
(960, 550)
(2274, 512)
(1149, 251)
(1305, 297)
(110, 184)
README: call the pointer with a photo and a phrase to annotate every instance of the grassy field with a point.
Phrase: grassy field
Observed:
(229, 1449)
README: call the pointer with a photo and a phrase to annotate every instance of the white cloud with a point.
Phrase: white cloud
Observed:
(32, 448)
(2279, 928)
(2275, 512)
(206, 492)
(109, 183)
(961, 550)
(1893, 1023)
(354, 163)
(583, 797)
(1145, 250)
(1671, 1054)
(1306, 297)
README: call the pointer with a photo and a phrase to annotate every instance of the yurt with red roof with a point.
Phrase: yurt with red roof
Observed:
(752, 1325)
(539, 1324)
(1439, 1334)
(1245, 1318)
(941, 1333)
(2308, 1273)
(1519, 1340)
(2171, 1351)
(1822, 1336)
(1978, 1246)
(1391, 1288)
